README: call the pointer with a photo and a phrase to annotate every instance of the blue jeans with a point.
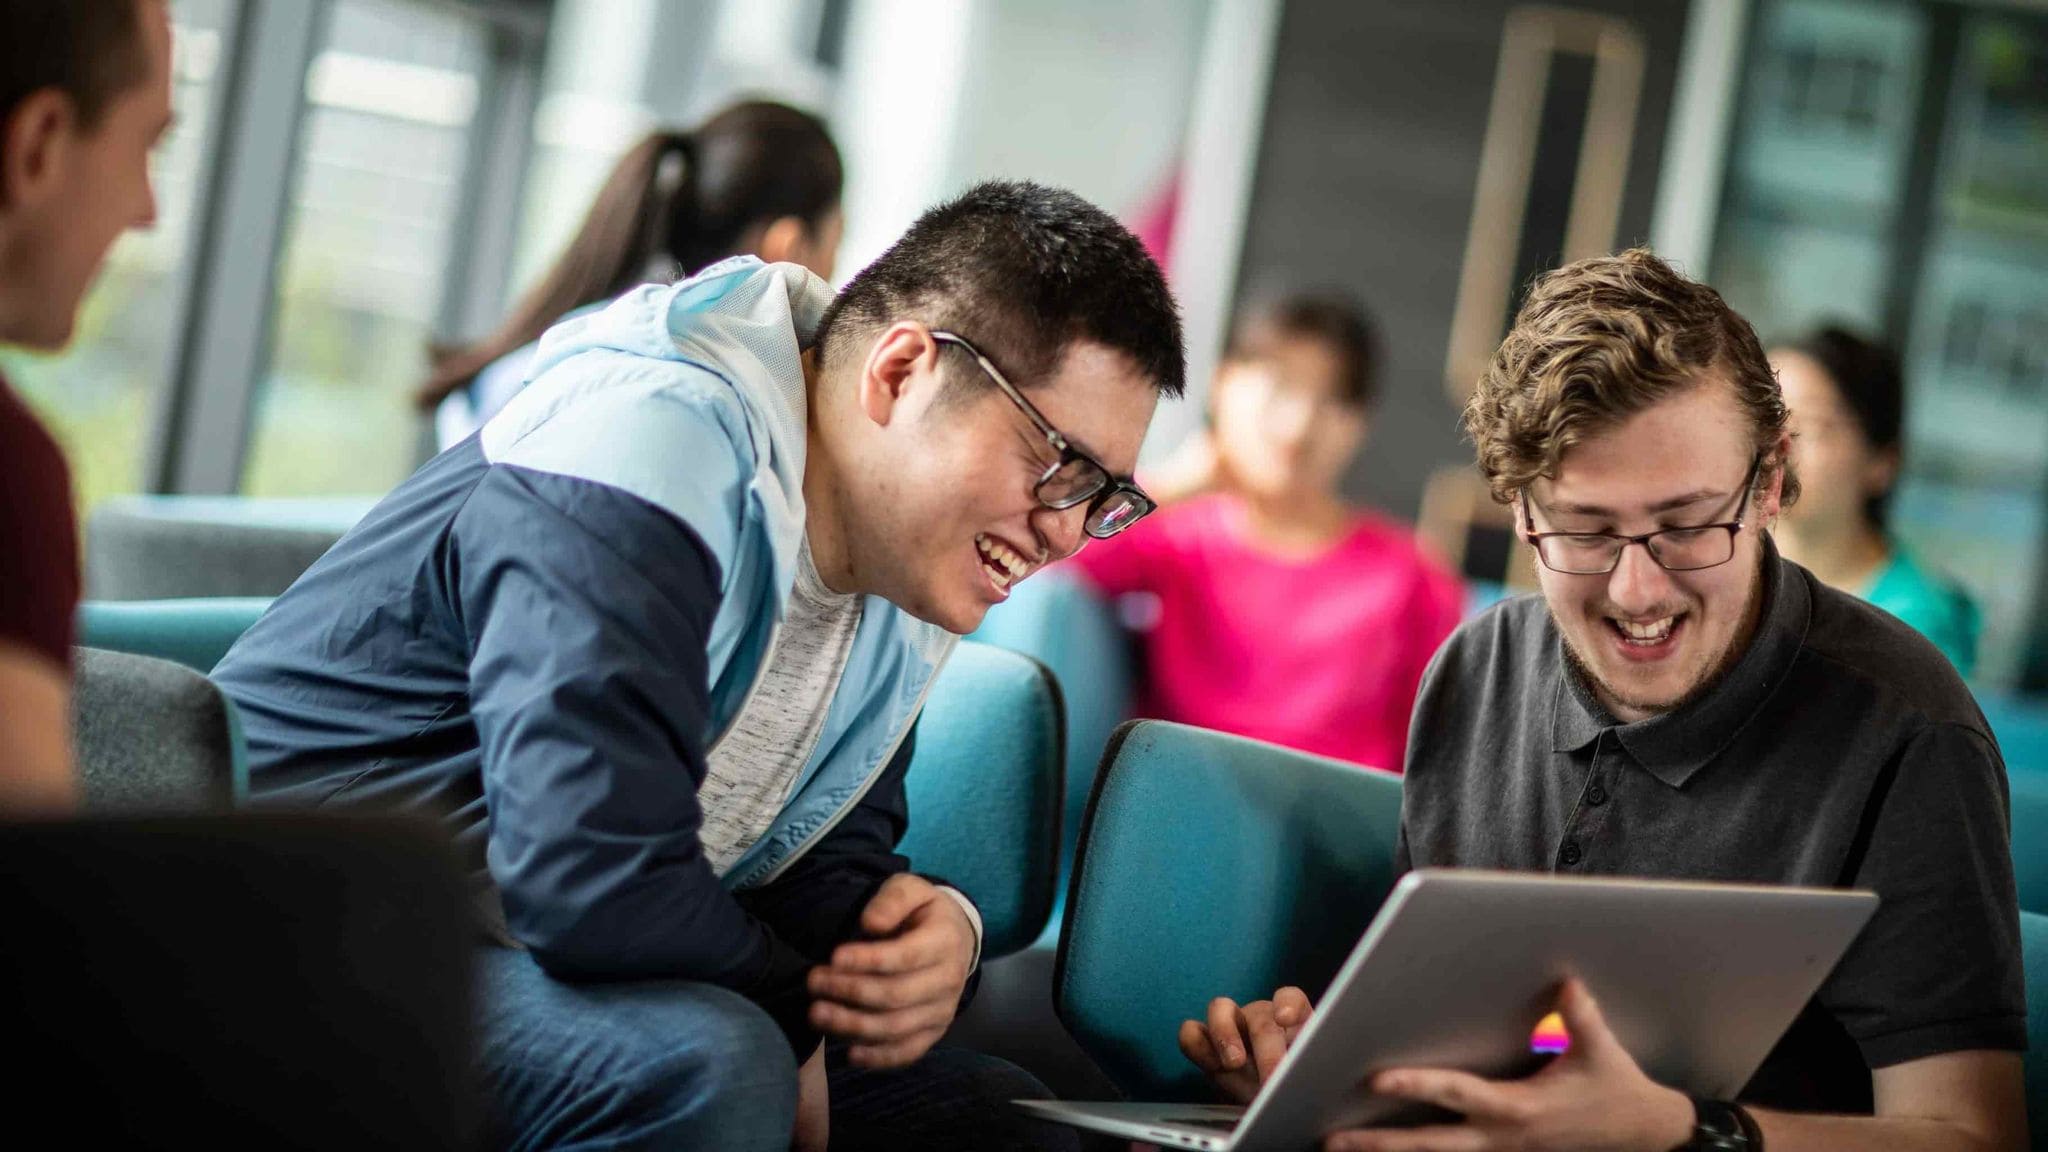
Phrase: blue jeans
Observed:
(676, 1065)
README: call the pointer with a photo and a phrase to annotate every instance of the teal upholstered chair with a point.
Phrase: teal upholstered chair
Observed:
(2029, 794)
(1055, 619)
(1212, 865)
(195, 632)
(2034, 939)
(2021, 725)
(985, 783)
(160, 547)
(985, 790)
(1483, 594)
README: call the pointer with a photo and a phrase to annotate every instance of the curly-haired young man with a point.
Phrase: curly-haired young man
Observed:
(1682, 702)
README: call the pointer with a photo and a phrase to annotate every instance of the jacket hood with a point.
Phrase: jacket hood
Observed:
(745, 323)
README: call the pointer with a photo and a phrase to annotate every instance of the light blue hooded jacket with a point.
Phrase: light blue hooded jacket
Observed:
(542, 632)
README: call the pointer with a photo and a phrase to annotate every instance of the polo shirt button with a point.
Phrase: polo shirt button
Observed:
(1570, 855)
(1596, 796)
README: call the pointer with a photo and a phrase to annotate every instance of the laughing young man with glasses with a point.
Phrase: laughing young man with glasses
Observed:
(654, 641)
(1682, 702)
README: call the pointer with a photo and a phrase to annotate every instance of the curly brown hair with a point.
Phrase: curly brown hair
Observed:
(1600, 340)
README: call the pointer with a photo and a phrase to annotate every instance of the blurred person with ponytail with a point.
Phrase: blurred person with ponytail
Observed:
(758, 178)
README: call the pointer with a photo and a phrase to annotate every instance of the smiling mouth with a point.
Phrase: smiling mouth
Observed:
(1645, 636)
(1002, 564)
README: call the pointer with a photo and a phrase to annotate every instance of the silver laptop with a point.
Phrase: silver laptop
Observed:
(1460, 967)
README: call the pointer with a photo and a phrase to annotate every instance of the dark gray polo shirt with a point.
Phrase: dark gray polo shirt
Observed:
(1841, 750)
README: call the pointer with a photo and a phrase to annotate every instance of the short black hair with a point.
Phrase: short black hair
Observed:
(1023, 271)
(1337, 320)
(1872, 385)
(91, 50)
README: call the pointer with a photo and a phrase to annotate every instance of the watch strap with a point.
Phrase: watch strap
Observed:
(1722, 1126)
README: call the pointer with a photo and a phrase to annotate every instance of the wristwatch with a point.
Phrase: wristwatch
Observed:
(1722, 1126)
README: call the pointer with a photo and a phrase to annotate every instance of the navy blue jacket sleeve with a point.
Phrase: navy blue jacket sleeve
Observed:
(587, 612)
(816, 904)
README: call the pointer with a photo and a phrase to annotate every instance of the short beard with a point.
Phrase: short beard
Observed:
(1717, 670)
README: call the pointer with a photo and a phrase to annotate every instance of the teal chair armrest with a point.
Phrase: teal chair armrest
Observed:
(985, 787)
(195, 632)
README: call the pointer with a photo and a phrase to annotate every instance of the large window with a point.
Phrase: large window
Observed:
(99, 397)
(1977, 348)
(1891, 170)
(1819, 174)
(392, 101)
(339, 190)
(353, 181)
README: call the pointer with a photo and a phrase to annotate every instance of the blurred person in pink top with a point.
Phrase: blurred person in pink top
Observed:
(1271, 607)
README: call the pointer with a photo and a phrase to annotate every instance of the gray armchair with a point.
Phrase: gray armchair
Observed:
(152, 736)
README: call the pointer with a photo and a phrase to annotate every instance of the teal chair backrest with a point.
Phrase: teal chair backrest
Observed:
(2029, 793)
(1483, 594)
(2021, 725)
(2034, 941)
(1055, 619)
(985, 785)
(195, 632)
(985, 788)
(1212, 865)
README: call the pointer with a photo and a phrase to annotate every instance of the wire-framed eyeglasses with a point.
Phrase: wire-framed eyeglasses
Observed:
(1686, 549)
(1075, 478)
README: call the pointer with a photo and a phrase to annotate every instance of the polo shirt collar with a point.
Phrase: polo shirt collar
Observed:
(1674, 745)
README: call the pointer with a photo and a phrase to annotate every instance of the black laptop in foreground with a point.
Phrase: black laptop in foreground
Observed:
(274, 981)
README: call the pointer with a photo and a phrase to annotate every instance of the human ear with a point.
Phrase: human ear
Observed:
(784, 241)
(1356, 427)
(1769, 503)
(900, 373)
(36, 135)
(1881, 471)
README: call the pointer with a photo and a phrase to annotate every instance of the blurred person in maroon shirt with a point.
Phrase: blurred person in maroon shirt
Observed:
(85, 93)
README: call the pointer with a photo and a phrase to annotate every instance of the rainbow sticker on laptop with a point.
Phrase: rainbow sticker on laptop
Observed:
(1550, 1038)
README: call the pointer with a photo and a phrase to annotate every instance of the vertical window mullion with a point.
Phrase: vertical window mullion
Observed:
(479, 265)
(231, 269)
(172, 403)
(493, 182)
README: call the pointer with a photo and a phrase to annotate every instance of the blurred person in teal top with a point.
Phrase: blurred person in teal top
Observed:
(1847, 397)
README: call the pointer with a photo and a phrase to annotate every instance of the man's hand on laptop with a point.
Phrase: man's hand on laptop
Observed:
(893, 995)
(1240, 1045)
(1594, 1096)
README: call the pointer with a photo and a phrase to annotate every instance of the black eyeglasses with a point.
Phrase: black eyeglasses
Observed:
(1674, 549)
(1076, 477)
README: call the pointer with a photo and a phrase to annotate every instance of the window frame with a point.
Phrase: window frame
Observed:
(204, 412)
